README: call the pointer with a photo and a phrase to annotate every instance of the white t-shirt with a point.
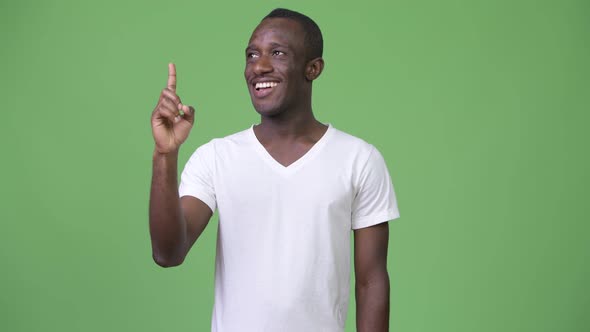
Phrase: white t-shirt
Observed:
(283, 242)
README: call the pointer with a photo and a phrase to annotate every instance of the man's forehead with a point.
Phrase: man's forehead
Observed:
(283, 28)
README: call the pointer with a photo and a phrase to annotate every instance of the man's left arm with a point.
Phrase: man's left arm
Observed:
(372, 279)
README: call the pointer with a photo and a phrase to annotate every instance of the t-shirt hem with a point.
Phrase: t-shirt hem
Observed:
(375, 219)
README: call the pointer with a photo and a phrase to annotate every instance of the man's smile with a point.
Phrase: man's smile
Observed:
(263, 89)
(265, 85)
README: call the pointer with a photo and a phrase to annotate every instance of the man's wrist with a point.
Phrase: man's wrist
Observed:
(165, 155)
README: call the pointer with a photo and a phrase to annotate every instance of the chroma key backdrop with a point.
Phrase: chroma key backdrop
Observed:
(480, 109)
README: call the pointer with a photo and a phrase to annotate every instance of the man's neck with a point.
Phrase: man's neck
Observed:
(289, 127)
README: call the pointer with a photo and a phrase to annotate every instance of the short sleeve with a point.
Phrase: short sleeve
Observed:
(375, 201)
(197, 177)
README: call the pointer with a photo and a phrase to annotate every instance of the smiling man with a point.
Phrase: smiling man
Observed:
(288, 191)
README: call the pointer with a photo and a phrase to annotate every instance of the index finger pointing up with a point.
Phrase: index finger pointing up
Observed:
(172, 76)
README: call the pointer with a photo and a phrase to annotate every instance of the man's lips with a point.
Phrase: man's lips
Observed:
(265, 85)
(262, 89)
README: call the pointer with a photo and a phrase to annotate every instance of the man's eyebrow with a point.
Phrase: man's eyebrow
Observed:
(273, 44)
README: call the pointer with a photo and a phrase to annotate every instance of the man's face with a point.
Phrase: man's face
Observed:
(275, 65)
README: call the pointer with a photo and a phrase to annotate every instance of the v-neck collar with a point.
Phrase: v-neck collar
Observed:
(273, 163)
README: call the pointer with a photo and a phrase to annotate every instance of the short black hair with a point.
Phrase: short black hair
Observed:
(313, 36)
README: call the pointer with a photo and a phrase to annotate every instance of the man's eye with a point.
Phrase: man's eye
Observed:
(251, 55)
(278, 53)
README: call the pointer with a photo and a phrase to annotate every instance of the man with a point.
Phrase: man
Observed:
(288, 192)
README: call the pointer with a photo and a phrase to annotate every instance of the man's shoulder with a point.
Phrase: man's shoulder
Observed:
(350, 141)
(237, 138)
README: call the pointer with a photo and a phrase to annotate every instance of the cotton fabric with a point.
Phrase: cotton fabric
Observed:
(283, 241)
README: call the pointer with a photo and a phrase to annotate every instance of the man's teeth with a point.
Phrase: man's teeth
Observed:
(265, 85)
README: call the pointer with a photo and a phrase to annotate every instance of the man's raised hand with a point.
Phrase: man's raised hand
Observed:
(171, 120)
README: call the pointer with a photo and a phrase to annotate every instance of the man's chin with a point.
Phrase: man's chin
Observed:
(269, 113)
(267, 110)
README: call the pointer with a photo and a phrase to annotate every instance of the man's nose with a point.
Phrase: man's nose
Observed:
(263, 65)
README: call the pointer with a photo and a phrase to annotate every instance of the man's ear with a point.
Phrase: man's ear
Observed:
(314, 68)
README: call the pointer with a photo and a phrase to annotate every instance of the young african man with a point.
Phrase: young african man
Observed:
(288, 191)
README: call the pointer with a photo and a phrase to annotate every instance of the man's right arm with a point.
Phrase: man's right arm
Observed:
(175, 223)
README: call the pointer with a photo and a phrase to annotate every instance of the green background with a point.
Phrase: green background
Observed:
(480, 109)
